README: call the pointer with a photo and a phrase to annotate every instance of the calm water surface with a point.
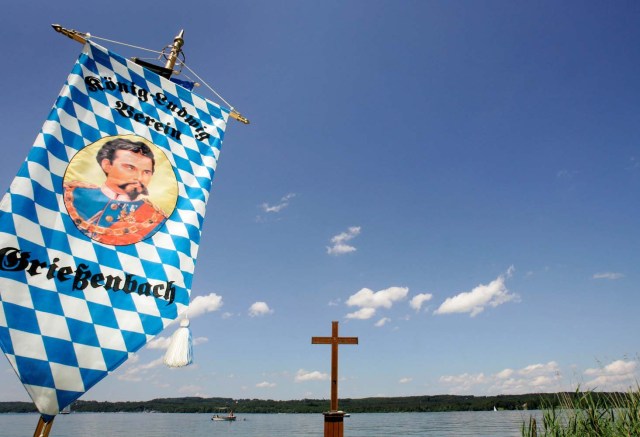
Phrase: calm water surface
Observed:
(458, 424)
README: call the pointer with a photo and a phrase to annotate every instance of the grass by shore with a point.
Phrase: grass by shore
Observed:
(588, 414)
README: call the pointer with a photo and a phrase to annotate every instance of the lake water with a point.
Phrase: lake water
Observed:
(458, 424)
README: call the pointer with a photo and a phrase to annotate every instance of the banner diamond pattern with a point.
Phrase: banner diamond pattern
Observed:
(73, 308)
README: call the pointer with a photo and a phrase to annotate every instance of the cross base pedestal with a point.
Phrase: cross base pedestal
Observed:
(334, 424)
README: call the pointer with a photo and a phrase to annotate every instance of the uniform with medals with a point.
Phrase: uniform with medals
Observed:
(108, 217)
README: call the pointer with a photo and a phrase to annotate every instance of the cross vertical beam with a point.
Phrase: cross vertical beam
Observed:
(334, 341)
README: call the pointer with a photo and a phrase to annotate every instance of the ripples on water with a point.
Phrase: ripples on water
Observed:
(458, 424)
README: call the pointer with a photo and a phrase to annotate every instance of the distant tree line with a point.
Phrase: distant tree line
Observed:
(437, 403)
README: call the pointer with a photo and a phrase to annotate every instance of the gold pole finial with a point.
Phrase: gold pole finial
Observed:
(237, 116)
(71, 33)
(176, 48)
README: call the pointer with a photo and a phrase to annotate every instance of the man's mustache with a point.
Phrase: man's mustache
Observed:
(140, 188)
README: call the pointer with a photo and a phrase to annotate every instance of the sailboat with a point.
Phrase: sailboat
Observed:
(97, 270)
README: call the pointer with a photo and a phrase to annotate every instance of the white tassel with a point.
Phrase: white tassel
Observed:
(180, 351)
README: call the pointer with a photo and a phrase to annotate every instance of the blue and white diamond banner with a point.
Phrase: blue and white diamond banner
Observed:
(100, 229)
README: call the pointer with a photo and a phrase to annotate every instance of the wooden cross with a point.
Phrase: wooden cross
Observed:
(334, 341)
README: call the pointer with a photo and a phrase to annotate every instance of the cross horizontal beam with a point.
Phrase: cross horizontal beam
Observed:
(331, 340)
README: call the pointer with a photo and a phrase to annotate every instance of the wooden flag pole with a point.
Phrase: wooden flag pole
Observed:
(44, 427)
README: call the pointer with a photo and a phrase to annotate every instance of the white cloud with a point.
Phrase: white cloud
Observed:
(405, 380)
(204, 304)
(463, 383)
(529, 379)
(304, 376)
(474, 302)
(383, 321)
(200, 340)
(619, 375)
(417, 300)
(383, 298)
(362, 314)
(284, 202)
(339, 242)
(566, 174)
(135, 373)
(265, 384)
(504, 374)
(370, 301)
(259, 309)
(537, 377)
(619, 367)
(608, 275)
(201, 305)
(159, 343)
(543, 377)
(538, 369)
(192, 390)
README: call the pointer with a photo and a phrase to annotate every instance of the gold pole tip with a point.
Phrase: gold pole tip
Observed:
(237, 116)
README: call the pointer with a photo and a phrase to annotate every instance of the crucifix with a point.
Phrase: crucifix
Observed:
(334, 341)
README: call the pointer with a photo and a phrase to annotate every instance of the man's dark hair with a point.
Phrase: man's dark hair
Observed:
(109, 149)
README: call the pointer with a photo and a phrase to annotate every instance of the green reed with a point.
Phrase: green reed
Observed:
(588, 414)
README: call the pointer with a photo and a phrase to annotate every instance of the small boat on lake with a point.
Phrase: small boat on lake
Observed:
(228, 418)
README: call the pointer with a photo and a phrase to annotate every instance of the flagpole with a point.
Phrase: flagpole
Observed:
(44, 427)
(176, 48)
(71, 33)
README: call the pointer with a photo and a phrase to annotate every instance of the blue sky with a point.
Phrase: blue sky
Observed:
(455, 182)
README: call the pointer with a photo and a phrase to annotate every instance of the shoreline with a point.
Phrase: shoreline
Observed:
(406, 404)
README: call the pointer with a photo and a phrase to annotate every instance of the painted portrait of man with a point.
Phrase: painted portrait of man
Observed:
(119, 211)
